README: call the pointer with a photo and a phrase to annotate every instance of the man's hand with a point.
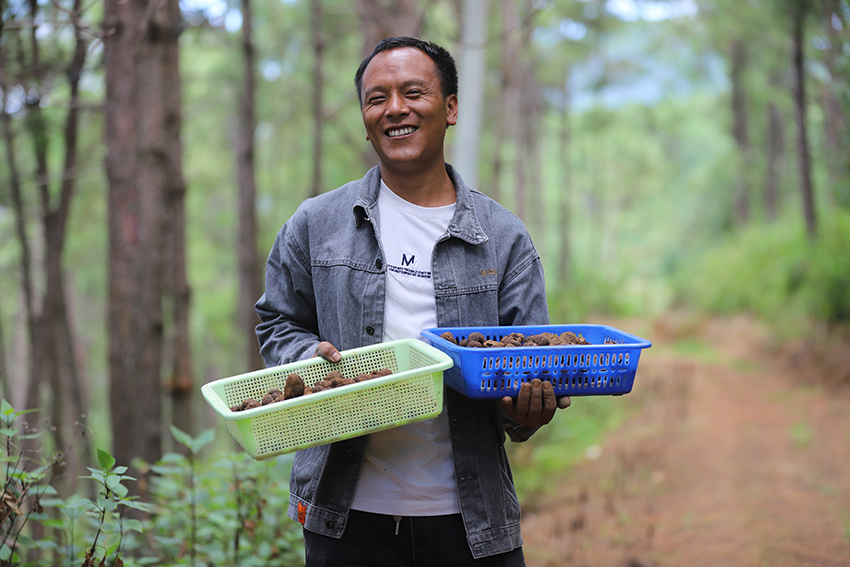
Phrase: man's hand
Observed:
(329, 352)
(535, 404)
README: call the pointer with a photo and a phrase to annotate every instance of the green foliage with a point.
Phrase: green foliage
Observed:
(572, 437)
(108, 511)
(231, 511)
(775, 272)
(25, 493)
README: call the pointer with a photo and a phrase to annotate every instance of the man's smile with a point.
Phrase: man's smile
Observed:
(403, 131)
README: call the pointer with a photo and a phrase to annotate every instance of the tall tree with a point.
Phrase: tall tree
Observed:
(53, 362)
(181, 383)
(250, 283)
(318, 99)
(472, 67)
(836, 127)
(565, 195)
(740, 127)
(139, 38)
(798, 16)
(775, 152)
(380, 19)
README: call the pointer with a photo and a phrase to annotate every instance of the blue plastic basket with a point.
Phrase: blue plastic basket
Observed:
(588, 370)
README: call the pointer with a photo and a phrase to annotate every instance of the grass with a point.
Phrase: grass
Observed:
(547, 457)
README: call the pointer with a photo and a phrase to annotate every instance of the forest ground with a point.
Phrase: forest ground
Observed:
(737, 456)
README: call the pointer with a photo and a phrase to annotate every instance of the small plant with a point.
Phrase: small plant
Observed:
(23, 494)
(108, 512)
(231, 511)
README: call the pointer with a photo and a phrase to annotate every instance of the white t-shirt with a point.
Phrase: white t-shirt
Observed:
(409, 470)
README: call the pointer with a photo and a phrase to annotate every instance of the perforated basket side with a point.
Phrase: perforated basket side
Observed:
(342, 415)
(414, 391)
(607, 366)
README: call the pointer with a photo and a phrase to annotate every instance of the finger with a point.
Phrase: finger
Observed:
(535, 402)
(329, 352)
(508, 404)
(522, 400)
(564, 402)
(549, 401)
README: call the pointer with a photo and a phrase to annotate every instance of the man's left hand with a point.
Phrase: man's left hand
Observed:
(535, 404)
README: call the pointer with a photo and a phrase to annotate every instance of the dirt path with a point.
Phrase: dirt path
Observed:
(742, 461)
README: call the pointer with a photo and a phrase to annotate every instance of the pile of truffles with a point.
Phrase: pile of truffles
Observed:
(478, 340)
(295, 387)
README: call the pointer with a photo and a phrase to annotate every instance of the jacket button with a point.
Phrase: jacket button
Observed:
(379, 263)
(350, 455)
(329, 524)
(370, 330)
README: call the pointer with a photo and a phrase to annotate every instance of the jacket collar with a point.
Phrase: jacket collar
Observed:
(464, 224)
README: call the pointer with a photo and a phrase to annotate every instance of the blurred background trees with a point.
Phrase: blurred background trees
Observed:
(664, 154)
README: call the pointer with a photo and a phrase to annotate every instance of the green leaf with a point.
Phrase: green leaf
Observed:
(9, 432)
(6, 408)
(202, 440)
(134, 525)
(181, 436)
(80, 503)
(136, 505)
(105, 460)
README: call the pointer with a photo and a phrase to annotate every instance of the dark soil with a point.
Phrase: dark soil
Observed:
(739, 458)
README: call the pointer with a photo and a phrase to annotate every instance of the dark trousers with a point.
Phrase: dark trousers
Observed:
(371, 540)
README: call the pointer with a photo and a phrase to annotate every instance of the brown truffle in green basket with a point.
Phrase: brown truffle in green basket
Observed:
(273, 395)
(294, 387)
(335, 378)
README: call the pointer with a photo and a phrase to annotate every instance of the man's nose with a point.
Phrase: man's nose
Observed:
(397, 104)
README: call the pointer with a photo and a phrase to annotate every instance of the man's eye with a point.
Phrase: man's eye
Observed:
(376, 100)
(414, 92)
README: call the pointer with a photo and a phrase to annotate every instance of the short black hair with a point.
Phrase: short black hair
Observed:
(443, 62)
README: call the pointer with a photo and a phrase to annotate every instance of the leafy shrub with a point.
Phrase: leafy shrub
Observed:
(231, 511)
(775, 272)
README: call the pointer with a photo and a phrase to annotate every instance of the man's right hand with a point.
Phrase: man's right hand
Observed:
(329, 352)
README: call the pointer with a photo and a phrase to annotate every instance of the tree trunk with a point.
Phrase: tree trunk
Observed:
(509, 129)
(836, 137)
(120, 21)
(806, 189)
(250, 270)
(379, 20)
(25, 260)
(318, 101)
(472, 67)
(532, 134)
(181, 379)
(55, 222)
(775, 152)
(136, 44)
(565, 194)
(740, 130)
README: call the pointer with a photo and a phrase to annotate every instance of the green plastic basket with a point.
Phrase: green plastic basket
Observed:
(413, 392)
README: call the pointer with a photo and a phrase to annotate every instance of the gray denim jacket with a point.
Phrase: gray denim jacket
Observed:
(326, 280)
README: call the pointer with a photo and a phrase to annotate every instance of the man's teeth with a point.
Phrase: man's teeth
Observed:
(401, 131)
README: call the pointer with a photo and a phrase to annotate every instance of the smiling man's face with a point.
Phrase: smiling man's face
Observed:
(404, 111)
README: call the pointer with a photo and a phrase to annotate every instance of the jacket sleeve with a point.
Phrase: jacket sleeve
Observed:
(288, 328)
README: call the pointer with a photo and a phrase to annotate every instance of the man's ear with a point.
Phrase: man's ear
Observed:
(451, 110)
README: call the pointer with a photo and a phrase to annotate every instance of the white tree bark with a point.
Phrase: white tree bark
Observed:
(472, 64)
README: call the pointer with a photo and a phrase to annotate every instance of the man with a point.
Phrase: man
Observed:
(407, 247)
